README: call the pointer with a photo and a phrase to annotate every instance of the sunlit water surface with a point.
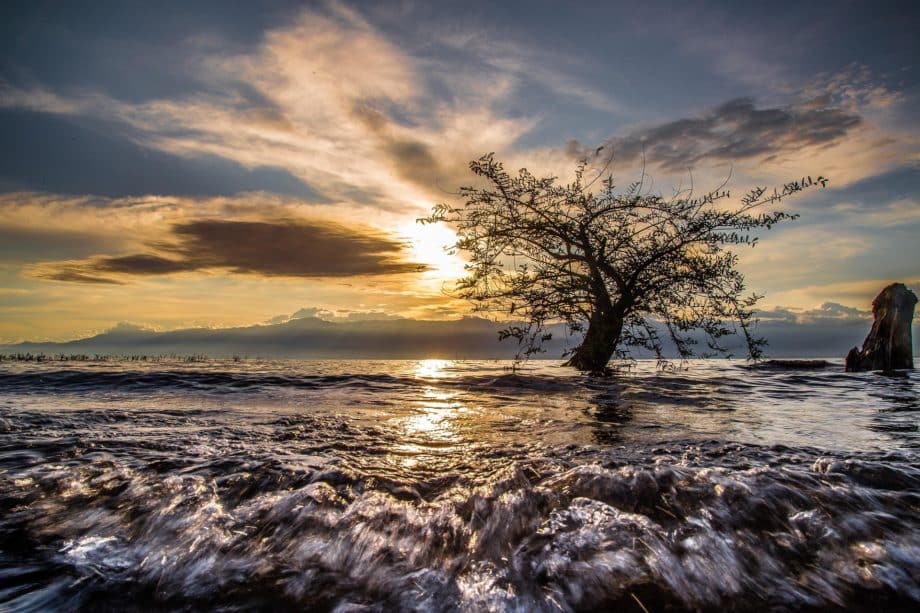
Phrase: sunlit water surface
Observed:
(441, 485)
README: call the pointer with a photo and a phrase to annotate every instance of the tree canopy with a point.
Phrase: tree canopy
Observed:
(616, 266)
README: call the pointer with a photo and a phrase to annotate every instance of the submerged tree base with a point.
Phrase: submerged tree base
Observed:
(594, 371)
(598, 346)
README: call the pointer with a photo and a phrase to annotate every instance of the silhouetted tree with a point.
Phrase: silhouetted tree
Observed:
(609, 264)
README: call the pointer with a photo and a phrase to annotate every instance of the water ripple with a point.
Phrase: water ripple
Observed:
(407, 486)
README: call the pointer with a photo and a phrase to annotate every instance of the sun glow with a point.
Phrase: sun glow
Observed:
(428, 245)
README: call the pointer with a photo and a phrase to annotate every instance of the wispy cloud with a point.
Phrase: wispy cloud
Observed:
(734, 131)
(829, 311)
(859, 292)
(513, 65)
(358, 119)
(324, 99)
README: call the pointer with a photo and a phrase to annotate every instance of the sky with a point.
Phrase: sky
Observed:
(184, 164)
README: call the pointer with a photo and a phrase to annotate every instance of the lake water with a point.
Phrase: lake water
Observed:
(440, 485)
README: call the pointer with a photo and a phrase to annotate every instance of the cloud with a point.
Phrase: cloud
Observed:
(888, 198)
(282, 106)
(282, 116)
(92, 270)
(840, 311)
(508, 65)
(370, 316)
(270, 248)
(25, 243)
(289, 248)
(735, 130)
(309, 312)
(62, 237)
(828, 312)
(127, 327)
(79, 155)
(141, 264)
(344, 315)
(412, 159)
(379, 120)
(858, 292)
(73, 273)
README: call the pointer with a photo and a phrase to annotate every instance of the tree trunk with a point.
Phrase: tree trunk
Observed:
(888, 345)
(597, 348)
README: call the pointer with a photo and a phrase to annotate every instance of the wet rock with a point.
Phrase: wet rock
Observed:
(888, 345)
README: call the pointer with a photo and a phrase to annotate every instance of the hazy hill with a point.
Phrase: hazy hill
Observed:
(310, 337)
(820, 334)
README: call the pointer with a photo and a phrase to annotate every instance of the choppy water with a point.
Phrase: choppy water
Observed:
(366, 486)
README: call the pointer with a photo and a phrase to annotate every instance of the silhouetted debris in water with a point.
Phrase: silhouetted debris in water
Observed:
(797, 364)
(888, 345)
(107, 357)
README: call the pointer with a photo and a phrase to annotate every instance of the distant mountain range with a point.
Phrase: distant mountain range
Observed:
(397, 338)
(309, 337)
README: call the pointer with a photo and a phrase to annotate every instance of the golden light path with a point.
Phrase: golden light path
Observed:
(434, 426)
(432, 369)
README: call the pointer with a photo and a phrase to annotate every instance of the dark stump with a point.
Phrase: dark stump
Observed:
(888, 345)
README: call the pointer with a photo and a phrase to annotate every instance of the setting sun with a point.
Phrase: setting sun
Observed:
(429, 244)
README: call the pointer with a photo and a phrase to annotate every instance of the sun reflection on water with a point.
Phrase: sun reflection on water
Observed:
(432, 369)
(435, 420)
(436, 416)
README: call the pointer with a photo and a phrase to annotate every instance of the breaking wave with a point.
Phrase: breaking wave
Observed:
(474, 490)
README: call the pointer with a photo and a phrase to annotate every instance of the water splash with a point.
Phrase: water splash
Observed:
(476, 490)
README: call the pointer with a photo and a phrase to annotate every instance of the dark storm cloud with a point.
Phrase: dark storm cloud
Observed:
(50, 153)
(735, 130)
(277, 248)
